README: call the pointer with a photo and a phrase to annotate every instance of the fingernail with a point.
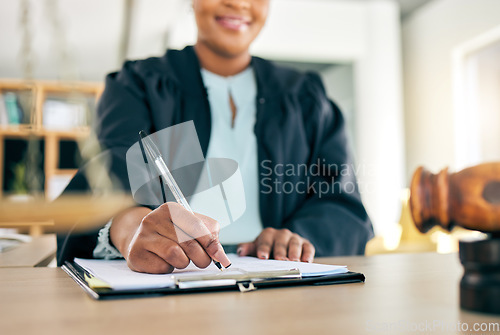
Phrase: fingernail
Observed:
(263, 255)
(239, 251)
(221, 257)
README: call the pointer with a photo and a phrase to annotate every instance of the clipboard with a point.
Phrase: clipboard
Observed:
(197, 284)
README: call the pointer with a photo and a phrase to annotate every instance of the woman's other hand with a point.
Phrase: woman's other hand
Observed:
(280, 244)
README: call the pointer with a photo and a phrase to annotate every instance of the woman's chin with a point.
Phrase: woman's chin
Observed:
(231, 50)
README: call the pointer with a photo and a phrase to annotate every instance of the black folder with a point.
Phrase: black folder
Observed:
(81, 276)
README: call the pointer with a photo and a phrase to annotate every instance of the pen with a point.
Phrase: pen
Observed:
(155, 156)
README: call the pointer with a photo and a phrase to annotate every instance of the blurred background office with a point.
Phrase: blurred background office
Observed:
(418, 82)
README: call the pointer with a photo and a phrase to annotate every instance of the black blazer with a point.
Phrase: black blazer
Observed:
(296, 124)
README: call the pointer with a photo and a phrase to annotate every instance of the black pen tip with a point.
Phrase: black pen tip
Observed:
(218, 265)
(143, 134)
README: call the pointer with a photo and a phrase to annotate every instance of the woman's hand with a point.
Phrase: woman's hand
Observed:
(168, 237)
(282, 244)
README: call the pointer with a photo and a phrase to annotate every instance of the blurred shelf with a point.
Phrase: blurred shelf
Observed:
(25, 131)
(31, 97)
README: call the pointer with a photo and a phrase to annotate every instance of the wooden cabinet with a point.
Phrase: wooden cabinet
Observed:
(34, 124)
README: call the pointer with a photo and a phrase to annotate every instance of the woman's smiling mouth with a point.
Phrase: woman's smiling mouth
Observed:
(233, 22)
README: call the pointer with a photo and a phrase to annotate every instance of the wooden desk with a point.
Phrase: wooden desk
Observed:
(399, 289)
(39, 252)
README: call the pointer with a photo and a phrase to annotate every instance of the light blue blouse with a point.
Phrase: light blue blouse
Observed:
(236, 142)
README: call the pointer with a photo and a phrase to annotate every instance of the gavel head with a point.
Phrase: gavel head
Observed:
(469, 198)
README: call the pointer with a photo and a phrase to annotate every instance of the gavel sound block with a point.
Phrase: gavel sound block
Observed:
(470, 199)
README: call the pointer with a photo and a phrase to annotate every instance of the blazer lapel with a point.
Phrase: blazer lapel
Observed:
(186, 69)
(269, 143)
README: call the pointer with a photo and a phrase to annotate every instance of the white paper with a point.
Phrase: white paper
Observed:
(118, 275)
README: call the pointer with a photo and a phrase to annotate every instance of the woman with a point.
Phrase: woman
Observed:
(286, 120)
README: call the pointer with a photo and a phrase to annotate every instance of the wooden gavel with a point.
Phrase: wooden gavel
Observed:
(469, 198)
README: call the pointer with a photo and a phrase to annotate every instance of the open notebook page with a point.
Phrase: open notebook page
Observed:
(117, 274)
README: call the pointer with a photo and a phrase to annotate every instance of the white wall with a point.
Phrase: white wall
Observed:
(379, 117)
(487, 67)
(476, 99)
(89, 33)
(429, 37)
